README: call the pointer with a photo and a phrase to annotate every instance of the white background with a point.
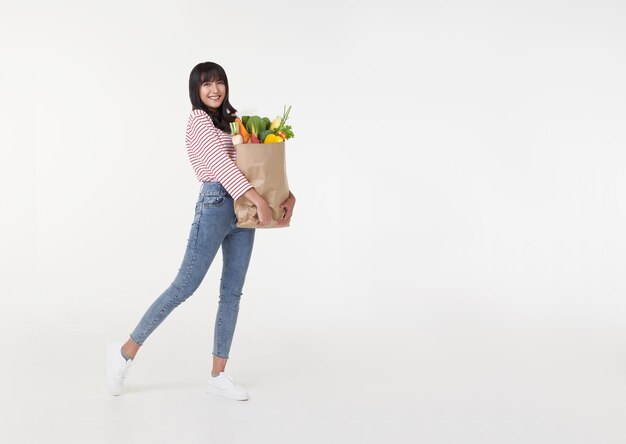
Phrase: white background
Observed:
(454, 271)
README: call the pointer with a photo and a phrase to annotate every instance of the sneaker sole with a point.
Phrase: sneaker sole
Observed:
(218, 392)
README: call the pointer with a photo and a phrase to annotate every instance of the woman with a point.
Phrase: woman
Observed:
(212, 156)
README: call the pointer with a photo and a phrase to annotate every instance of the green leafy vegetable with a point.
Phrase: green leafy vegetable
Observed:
(255, 125)
(288, 132)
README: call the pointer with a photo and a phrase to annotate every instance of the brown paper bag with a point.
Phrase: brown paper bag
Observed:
(264, 166)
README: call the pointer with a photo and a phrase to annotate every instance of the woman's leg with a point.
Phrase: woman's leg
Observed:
(219, 364)
(236, 251)
(130, 349)
(211, 224)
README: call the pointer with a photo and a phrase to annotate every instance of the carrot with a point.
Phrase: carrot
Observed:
(242, 130)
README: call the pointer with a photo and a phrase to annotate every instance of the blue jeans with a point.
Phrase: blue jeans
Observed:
(214, 225)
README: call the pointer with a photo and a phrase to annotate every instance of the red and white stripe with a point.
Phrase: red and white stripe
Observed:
(213, 155)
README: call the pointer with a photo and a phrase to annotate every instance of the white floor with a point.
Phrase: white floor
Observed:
(455, 377)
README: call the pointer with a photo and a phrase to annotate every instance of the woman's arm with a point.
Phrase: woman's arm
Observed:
(207, 150)
(263, 210)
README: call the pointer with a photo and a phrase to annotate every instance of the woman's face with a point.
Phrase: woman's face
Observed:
(212, 93)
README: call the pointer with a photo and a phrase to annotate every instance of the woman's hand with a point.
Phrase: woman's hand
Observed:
(288, 207)
(263, 211)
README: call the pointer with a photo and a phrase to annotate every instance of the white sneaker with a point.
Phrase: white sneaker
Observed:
(224, 385)
(116, 368)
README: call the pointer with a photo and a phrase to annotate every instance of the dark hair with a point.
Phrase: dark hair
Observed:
(210, 72)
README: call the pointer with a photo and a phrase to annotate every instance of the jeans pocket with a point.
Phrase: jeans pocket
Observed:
(213, 200)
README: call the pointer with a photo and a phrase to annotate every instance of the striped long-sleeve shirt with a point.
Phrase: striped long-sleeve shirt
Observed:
(213, 155)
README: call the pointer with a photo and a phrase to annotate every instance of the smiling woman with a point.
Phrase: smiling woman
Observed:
(212, 156)
(208, 91)
(212, 94)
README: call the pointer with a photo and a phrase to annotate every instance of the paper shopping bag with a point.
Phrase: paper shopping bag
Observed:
(264, 166)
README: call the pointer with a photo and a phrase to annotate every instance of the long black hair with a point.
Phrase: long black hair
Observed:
(210, 72)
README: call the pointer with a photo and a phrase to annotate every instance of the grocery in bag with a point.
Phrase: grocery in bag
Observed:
(260, 146)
